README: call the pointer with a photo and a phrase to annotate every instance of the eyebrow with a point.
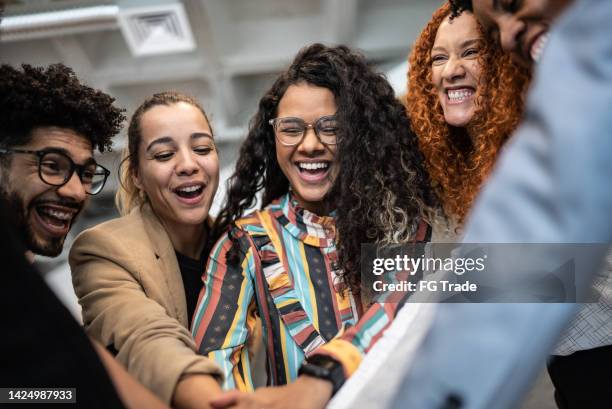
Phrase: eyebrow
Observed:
(464, 44)
(169, 140)
(88, 161)
(197, 135)
(467, 43)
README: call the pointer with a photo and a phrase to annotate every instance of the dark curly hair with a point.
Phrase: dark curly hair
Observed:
(460, 159)
(458, 6)
(382, 189)
(53, 96)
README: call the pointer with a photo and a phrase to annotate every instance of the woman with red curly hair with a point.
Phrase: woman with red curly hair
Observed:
(465, 97)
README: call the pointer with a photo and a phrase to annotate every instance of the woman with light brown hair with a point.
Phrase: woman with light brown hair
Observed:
(138, 277)
(465, 98)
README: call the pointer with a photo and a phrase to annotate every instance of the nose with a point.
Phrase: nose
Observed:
(510, 31)
(453, 69)
(186, 165)
(73, 189)
(310, 142)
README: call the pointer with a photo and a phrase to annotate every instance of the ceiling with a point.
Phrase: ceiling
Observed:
(237, 46)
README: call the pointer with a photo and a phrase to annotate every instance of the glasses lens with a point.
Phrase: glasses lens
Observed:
(290, 130)
(327, 128)
(55, 168)
(96, 181)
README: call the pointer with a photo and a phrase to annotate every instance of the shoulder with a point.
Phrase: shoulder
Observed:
(127, 228)
(123, 237)
(256, 223)
(245, 235)
(249, 224)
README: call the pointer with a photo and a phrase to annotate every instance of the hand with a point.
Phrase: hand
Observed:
(305, 393)
(195, 391)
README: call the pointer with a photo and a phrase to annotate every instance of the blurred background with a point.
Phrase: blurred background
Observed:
(225, 53)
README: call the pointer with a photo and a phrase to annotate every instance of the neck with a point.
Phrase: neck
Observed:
(462, 138)
(321, 208)
(188, 240)
(324, 209)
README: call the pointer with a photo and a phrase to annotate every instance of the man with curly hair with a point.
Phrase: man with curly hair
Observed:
(51, 123)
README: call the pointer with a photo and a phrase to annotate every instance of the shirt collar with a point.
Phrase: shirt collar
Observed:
(312, 229)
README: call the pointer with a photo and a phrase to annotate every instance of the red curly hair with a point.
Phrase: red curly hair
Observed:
(460, 159)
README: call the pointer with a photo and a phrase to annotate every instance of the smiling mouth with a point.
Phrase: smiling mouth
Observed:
(313, 171)
(190, 191)
(459, 95)
(537, 48)
(56, 220)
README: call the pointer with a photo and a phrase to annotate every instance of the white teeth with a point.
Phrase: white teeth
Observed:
(459, 95)
(538, 47)
(313, 165)
(57, 214)
(189, 189)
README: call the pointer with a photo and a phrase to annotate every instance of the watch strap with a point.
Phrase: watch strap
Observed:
(324, 367)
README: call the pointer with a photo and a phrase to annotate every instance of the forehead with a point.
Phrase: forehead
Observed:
(169, 120)
(307, 101)
(77, 146)
(457, 30)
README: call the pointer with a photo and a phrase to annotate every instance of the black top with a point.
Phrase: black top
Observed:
(42, 345)
(191, 271)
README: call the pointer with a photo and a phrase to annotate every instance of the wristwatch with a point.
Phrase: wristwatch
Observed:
(324, 367)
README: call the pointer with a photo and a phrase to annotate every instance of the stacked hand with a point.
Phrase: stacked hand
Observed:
(305, 393)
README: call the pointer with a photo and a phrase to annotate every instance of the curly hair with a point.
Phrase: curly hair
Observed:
(382, 189)
(458, 6)
(128, 196)
(53, 96)
(460, 159)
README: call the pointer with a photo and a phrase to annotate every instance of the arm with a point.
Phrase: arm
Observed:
(308, 392)
(190, 390)
(188, 393)
(133, 394)
(349, 347)
(153, 346)
(225, 316)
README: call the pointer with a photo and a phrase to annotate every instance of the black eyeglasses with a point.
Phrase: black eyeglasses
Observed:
(55, 168)
(290, 131)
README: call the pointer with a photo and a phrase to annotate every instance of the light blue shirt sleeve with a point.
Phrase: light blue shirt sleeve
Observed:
(553, 184)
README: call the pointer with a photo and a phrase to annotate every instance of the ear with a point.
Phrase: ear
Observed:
(136, 179)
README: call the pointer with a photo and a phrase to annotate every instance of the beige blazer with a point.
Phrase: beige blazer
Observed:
(126, 276)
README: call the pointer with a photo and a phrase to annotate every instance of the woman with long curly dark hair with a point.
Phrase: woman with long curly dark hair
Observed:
(330, 149)
(465, 97)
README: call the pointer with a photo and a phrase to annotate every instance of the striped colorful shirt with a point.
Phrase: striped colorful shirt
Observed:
(283, 269)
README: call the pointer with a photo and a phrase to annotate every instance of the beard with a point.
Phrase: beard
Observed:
(22, 222)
